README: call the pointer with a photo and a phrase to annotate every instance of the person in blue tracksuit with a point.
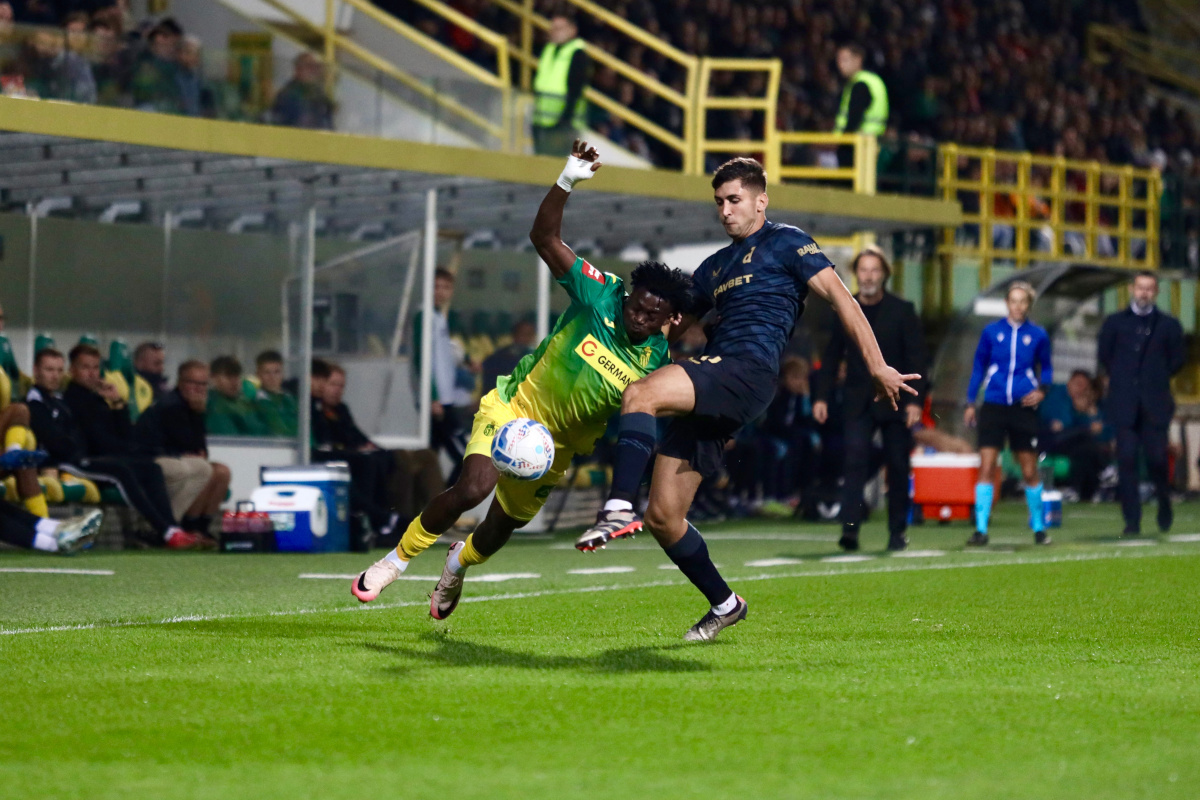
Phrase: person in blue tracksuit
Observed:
(1005, 359)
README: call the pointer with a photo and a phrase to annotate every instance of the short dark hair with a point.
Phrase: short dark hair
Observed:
(441, 273)
(146, 347)
(46, 352)
(747, 170)
(76, 16)
(226, 365)
(83, 349)
(873, 250)
(167, 27)
(1145, 273)
(672, 285)
(268, 357)
(336, 368)
(1081, 373)
(187, 367)
(321, 368)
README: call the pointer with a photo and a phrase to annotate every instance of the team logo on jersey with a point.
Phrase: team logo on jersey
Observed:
(489, 429)
(808, 250)
(604, 361)
(732, 282)
(644, 358)
(591, 272)
(749, 255)
(609, 323)
(999, 337)
(1027, 340)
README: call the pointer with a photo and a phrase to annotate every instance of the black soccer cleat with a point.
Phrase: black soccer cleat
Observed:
(849, 540)
(711, 624)
(977, 540)
(609, 525)
(1041, 537)
(897, 542)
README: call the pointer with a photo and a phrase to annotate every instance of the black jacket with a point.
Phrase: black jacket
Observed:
(55, 427)
(106, 431)
(171, 428)
(902, 342)
(335, 429)
(1140, 355)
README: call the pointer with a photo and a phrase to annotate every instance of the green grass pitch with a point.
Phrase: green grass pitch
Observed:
(1071, 671)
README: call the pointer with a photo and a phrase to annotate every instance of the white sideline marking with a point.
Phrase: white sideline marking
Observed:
(599, 570)
(847, 559)
(918, 553)
(58, 570)
(489, 577)
(1018, 560)
(770, 537)
(773, 562)
(1184, 537)
(617, 543)
(1132, 543)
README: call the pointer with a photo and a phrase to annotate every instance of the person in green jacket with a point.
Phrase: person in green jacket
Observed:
(229, 412)
(276, 407)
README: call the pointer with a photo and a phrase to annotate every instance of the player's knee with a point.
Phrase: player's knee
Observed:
(659, 521)
(471, 490)
(638, 398)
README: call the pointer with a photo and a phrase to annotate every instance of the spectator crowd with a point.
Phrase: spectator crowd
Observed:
(93, 51)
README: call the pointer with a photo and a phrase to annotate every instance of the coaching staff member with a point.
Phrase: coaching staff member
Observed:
(898, 331)
(1141, 348)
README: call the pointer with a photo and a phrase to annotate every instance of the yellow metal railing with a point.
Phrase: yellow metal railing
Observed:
(860, 174)
(1047, 208)
(336, 47)
(1153, 57)
(765, 104)
(530, 21)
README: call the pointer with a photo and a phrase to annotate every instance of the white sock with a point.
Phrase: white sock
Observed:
(394, 558)
(12, 447)
(726, 607)
(453, 563)
(43, 537)
(618, 505)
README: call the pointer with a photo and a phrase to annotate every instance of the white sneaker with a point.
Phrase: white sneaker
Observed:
(367, 586)
(446, 594)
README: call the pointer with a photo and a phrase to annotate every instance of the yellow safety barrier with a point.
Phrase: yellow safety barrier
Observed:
(1047, 208)
(684, 101)
(860, 174)
(334, 45)
(766, 104)
(1145, 54)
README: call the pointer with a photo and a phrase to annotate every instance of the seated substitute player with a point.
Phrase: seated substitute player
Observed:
(572, 384)
(1004, 359)
(756, 286)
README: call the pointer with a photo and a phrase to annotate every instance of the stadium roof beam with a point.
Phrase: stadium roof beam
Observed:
(230, 170)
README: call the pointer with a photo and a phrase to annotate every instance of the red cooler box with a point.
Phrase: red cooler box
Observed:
(944, 485)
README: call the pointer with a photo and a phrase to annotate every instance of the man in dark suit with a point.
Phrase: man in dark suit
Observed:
(1141, 348)
(898, 331)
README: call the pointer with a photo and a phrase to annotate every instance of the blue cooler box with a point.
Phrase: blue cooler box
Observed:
(298, 515)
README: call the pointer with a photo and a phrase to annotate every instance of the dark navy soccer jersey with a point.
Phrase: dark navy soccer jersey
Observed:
(758, 286)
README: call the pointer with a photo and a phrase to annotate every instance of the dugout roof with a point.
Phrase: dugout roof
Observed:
(99, 157)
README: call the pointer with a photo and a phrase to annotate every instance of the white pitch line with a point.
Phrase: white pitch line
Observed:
(847, 559)
(886, 567)
(774, 562)
(918, 553)
(487, 577)
(1132, 543)
(1184, 537)
(599, 570)
(58, 571)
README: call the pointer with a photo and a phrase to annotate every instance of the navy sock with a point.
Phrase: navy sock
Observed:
(690, 554)
(636, 436)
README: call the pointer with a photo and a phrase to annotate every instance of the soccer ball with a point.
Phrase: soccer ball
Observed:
(523, 449)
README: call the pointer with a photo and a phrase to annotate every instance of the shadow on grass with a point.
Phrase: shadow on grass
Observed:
(446, 651)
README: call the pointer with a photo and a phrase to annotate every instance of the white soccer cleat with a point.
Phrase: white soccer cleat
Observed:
(78, 533)
(367, 586)
(446, 594)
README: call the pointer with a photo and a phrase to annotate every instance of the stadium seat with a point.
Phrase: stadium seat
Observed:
(42, 341)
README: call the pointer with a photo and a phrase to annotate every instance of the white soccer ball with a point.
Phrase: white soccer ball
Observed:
(523, 449)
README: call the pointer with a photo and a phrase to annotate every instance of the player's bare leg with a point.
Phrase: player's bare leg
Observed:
(484, 542)
(666, 392)
(672, 489)
(475, 482)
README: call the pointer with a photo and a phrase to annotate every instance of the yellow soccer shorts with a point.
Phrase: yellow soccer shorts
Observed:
(521, 500)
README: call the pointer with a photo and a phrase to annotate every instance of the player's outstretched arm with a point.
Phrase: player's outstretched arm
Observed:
(546, 234)
(889, 383)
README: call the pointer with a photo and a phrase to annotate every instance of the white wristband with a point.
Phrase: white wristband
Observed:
(564, 182)
(575, 170)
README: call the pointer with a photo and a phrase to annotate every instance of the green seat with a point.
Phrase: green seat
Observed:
(110, 496)
(74, 492)
(90, 338)
(42, 341)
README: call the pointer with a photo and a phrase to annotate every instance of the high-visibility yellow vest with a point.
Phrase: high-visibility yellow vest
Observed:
(875, 118)
(550, 85)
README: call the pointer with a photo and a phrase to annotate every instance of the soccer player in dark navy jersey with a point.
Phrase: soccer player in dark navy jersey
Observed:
(753, 291)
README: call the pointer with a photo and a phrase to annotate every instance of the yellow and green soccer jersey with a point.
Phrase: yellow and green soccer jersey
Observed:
(573, 382)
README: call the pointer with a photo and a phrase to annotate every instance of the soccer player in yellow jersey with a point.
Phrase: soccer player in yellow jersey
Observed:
(572, 384)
